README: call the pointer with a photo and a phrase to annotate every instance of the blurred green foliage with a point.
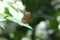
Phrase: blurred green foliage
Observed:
(41, 10)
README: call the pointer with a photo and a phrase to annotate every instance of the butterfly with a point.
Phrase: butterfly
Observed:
(27, 17)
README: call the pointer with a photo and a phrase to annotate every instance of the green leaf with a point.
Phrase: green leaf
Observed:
(2, 25)
(11, 4)
(16, 20)
(3, 16)
(6, 11)
(10, 13)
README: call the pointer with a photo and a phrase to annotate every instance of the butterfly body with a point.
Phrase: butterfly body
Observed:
(27, 17)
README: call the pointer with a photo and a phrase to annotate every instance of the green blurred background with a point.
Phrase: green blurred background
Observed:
(45, 20)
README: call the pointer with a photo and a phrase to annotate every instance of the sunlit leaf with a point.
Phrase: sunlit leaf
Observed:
(13, 6)
(6, 11)
(12, 13)
(19, 22)
(2, 25)
(2, 17)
